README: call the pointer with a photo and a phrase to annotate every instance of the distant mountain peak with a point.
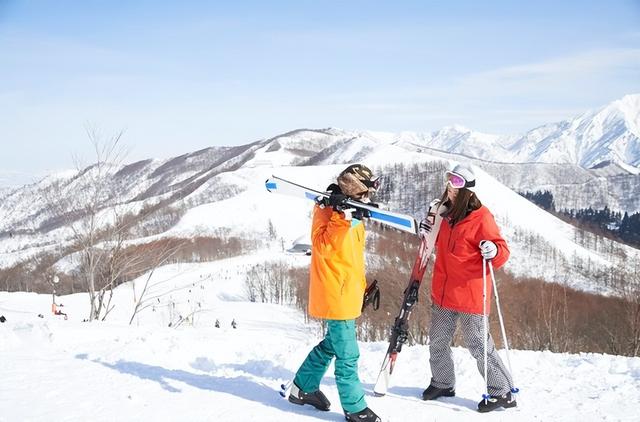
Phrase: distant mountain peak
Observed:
(610, 133)
(454, 129)
(632, 100)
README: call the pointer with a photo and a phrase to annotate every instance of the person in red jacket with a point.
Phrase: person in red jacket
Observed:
(468, 235)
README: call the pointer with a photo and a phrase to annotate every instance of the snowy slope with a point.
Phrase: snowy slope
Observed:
(254, 208)
(111, 371)
(248, 210)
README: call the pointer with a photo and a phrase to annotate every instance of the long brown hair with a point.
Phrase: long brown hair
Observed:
(466, 201)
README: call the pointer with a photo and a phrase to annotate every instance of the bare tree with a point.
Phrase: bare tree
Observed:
(625, 335)
(633, 315)
(143, 299)
(271, 229)
(101, 226)
(98, 234)
(270, 282)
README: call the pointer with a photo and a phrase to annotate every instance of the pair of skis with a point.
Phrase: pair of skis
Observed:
(396, 220)
(406, 223)
(400, 330)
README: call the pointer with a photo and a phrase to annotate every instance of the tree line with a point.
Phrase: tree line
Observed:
(615, 224)
(539, 315)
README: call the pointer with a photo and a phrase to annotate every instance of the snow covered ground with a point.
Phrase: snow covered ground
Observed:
(69, 370)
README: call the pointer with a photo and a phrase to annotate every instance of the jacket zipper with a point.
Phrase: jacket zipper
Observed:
(446, 277)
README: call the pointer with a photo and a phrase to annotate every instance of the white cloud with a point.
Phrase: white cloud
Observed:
(510, 99)
(571, 71)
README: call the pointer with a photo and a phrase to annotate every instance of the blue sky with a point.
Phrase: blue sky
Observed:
(181, 76)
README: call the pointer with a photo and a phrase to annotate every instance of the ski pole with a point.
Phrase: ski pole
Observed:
(514, 390)
(485, 396)
(284, 388)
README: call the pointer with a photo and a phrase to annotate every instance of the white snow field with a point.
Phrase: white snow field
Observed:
(69, 370)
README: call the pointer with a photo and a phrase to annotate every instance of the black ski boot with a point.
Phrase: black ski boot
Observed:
(316, 398)
(365, 415)
(495, 402)
(432, 393)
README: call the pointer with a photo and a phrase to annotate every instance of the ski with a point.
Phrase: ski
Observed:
(393, 219)
(400, 330)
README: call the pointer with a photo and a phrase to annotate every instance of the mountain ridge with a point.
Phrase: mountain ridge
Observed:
(207, 192)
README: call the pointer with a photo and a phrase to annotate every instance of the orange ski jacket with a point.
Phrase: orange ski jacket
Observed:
(337, 275)
(457, 273)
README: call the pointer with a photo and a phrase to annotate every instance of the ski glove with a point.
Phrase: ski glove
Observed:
(425, 228)
(338, 201)
(488, 249)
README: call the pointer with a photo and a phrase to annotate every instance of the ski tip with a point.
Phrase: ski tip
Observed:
(379, 394)
(284, 387)
(282, 394)
(270, 185)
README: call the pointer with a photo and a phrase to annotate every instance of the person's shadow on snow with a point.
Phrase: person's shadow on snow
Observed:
(454, 403)
(239, 386)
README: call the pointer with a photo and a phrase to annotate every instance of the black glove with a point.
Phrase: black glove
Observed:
(360, 214)
(371, 296)
(338, 201)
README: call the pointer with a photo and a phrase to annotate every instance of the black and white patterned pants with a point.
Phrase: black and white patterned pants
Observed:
(443, 327)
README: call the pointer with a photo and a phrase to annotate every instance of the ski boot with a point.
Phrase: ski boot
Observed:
(316, 398)
(365, 415)
(432, 393)
(495, 402)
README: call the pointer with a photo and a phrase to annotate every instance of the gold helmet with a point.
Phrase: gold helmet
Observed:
(357, 181)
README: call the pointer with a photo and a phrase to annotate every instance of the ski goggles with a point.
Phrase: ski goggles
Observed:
(372, 187)
(458, 182)
(373, 183)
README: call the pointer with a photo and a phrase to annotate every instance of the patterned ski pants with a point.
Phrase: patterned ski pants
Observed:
(443, 327)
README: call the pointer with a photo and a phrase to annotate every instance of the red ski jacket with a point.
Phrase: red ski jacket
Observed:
(457, 273)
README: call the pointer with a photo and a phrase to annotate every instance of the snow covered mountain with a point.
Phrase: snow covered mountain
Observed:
(221, 190)
(609, 135)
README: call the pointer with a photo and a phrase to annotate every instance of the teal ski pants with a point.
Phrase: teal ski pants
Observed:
(339, 342)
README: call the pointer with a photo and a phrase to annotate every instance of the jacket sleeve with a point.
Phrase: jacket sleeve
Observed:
(328, 231)
(489, 231)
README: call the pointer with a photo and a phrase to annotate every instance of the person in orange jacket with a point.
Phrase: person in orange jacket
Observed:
(336, 289)
(468, 235)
